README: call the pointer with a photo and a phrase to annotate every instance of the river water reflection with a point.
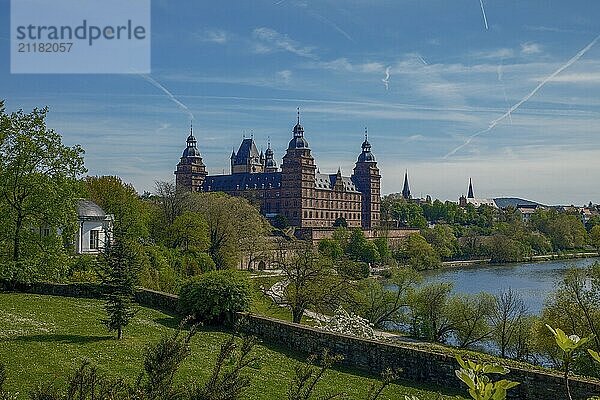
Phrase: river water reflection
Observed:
(532, 281)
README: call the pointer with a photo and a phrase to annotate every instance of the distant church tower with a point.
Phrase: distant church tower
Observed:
(470, 194)
(368, 181)
(297, 177)
(406, 188)
(191, 171)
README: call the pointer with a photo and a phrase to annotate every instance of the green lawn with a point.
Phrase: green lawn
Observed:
(43, 338)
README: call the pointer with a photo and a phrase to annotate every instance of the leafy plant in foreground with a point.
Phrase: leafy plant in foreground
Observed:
(161, 362)
(226, 381)
(307, 376)
(569, 345)
(480, 385)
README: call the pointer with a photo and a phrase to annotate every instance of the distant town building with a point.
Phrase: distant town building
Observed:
(526, 211)
(298, 191)
(95, 227)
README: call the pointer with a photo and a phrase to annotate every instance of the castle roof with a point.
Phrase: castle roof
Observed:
(328, 181)
(242, 181)
(246, 151)
(191, 150)
(366, 155)
(298, 141)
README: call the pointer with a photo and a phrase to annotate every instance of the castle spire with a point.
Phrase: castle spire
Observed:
(366, 135)
(406, 188)
(470, 195)
(298, 109)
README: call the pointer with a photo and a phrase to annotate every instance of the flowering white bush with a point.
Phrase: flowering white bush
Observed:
(348, 324)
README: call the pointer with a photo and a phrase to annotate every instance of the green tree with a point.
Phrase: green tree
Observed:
(166, 204)
(311, 281)
(383, 248)
(382, 302)
(233, 224)
(330, 248)
(468, 316)
(575, 306)
(418, 254)
(38, 189)
(401, 212)
(190, 230)
(442, 239)
(119, 267)
(503, 249)
(360, 249)
(595, 236)
(428, 311)
(565, 231)
(116, 197)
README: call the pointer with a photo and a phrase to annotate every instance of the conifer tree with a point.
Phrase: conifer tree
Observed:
(119, 265)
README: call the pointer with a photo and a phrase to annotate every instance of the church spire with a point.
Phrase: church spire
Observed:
(470, 195)
(406, 187)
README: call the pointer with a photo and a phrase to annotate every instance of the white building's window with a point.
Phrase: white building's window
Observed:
(94, 240)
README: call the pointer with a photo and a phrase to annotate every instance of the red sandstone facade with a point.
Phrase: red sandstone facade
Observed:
(299, 191)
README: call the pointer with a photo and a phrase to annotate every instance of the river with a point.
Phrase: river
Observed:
(532, 281)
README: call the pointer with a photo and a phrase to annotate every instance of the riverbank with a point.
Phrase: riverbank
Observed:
(540, 258)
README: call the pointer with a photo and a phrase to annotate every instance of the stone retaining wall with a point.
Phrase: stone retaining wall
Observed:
(418, 365)
(150, 298)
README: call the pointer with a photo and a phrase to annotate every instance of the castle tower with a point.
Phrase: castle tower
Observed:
(270, 164)
(368, 181)
(247, 159)
(191, 171)
(297, 178)
(406, 188)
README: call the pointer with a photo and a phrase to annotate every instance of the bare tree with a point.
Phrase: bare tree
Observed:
(311, 281)
(170, 200)
(506, 319)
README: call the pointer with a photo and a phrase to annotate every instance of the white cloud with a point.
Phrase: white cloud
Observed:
(284, 75)
(271, 40)
(213, 36)
(530, 48)
(343, 65)
(494, 54)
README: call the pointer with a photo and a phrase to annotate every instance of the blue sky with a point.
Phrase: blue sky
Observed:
(244, 66)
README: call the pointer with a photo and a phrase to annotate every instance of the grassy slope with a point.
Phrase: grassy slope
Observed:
(43, 338)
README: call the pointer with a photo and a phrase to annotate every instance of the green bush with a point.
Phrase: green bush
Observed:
(214, 297)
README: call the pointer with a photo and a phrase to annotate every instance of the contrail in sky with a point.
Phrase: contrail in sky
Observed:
(503, 87)
(484, 17)
(386, 81)
(530, 95)
(331, 23)
(166, 91)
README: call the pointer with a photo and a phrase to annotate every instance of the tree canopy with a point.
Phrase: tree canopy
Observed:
(38, 193)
